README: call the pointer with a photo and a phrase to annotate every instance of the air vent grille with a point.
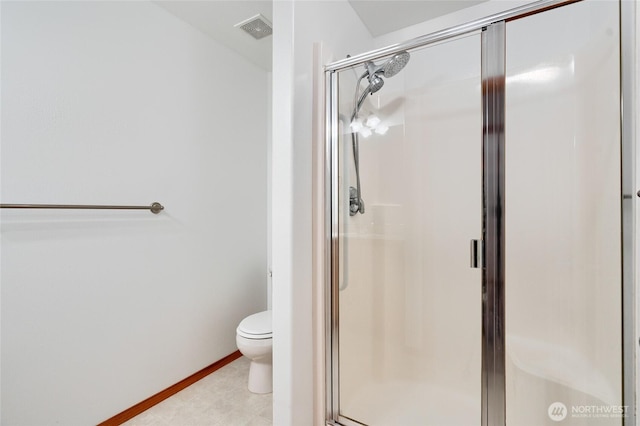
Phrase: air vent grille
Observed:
(257, 26)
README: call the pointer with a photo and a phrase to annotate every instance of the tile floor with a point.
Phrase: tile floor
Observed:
(219, 399)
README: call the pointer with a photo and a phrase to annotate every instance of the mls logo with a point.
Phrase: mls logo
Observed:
(557, 411)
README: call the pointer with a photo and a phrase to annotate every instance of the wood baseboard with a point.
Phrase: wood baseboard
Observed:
(140, 407)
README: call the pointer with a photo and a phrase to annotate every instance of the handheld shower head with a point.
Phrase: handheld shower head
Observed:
(375, 83)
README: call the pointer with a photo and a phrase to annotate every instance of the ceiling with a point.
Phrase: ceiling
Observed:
(383, 16)
(217, 18)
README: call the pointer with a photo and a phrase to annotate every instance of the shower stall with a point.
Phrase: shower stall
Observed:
(489, 280)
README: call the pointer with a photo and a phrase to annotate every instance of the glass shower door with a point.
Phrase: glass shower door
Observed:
(409, 304)
(563, 212)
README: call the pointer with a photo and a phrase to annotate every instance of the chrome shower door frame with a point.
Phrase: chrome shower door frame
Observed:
(332, 250)
(493, 227)
(493, 101)
(628, 126)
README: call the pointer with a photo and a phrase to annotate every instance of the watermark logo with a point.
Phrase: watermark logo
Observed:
(557, 411)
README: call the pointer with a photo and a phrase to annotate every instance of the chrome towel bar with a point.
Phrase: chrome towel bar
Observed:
(155, 208)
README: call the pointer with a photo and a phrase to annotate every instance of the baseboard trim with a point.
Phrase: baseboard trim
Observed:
(140, 407)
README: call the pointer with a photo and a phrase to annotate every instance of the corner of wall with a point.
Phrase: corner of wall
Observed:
(300, 25)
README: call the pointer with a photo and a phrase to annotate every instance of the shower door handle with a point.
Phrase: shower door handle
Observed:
(475, 260)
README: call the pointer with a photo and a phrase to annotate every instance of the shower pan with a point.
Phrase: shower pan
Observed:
(490, 276)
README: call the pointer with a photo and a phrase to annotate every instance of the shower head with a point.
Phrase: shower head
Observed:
(374, 74)
(394, 65)
(390, 67)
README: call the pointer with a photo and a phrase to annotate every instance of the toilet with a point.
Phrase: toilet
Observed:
(254, 340)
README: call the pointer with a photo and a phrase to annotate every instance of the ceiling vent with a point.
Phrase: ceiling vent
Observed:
(257, 26)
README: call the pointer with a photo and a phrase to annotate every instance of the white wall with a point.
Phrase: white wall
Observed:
(298, 25)
(121, 103)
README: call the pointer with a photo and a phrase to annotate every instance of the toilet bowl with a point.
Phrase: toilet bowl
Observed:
(254, 340)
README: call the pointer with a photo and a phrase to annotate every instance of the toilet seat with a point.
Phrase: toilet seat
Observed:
(256, 326)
